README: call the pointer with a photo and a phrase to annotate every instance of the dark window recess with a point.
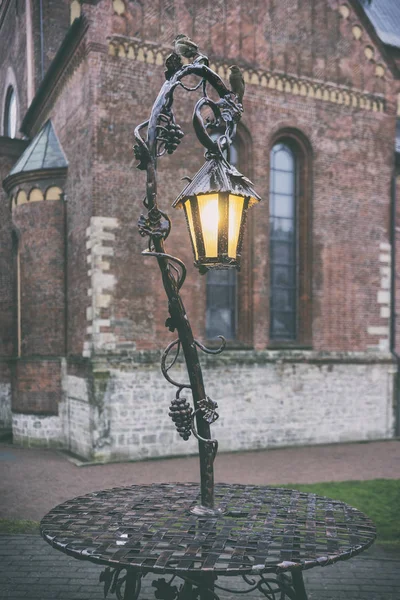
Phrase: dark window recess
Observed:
(10, 114)
(221, 304)
(221, 300)
(283, 244)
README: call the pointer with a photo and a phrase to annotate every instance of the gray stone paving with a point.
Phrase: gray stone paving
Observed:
(32, 481)
(31, 569)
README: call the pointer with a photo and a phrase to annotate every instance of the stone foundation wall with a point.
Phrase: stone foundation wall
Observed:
(5, 406)
(37, 430)
(265, 400)
(76, 416)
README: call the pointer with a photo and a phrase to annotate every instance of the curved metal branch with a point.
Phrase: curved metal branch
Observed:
(282, 587)
(165, 368)
(165, 97)
(191, 89)
(182, 274)
(210, 350)
(213, 443)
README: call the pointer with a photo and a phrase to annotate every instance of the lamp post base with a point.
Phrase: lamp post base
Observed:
(203, 511)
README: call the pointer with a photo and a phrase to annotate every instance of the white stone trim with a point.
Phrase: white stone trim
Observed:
(382, 330)
(99, 240)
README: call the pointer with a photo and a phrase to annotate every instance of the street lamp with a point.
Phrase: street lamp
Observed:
(215, 202)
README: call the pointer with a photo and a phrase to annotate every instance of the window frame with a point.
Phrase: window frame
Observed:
(302, 152)
(244, 278)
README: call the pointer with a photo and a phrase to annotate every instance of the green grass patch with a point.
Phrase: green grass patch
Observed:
(379, 499)
(18, 526)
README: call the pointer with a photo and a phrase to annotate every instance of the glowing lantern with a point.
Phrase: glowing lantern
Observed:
(215, 204)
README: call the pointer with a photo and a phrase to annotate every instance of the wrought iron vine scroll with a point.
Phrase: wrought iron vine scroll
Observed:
(125, 583)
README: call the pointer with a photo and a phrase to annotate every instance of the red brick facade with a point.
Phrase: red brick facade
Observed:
(316, 74)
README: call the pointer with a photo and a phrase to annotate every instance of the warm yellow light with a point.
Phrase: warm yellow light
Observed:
(236, 204)
(189, 215)
(209, 218)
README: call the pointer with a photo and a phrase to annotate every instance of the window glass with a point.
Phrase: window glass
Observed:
(221, 303)
(283, 244)
(221, 284)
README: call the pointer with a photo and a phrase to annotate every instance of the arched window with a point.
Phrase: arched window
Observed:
(283, 262)
(290, 283)
(10, 114)
(221, 286)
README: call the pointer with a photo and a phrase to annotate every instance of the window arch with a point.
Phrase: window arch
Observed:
(10, 113)
(290, 242)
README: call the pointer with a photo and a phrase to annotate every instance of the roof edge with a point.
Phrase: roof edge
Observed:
(217, 175)
(30, 176)
(56, 70)
(370, 29)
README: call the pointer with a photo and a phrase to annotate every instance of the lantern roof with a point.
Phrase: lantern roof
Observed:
(217, 175)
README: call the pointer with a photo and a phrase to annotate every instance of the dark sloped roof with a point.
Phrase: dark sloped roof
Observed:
(217, 175)
(44, 152)
(385, 18)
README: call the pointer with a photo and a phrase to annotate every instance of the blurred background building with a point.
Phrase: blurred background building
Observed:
(310, 319)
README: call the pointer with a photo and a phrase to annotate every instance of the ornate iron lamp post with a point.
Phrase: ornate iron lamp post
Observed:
(265, 536)
(215, 203)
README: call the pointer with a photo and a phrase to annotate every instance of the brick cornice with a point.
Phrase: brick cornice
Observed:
(136, 359)
(151, 53)
(69, 55)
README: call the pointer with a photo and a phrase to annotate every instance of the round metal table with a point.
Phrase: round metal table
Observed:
(267, 536)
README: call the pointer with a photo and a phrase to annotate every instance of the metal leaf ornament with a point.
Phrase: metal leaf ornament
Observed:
(208, 408)
(157, 224)
(164, 590)
(141, 154)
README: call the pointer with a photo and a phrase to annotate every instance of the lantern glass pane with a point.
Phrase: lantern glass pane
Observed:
(236, 204)
(209, 217)
(189, 215)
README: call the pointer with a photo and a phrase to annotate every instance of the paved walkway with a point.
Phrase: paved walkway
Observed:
(33, 481)
(32, 570)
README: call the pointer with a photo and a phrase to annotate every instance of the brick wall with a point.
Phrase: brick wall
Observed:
(73, 123)
(352, 153)
(49, 29)
(7, 300)
(41, 250)
(310, 68)
(9, 152)
(37, 387)
(13, 58)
